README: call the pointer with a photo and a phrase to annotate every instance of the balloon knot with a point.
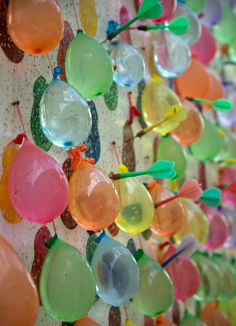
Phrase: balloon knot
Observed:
(50, 242)
(19, 139)
(163, 245)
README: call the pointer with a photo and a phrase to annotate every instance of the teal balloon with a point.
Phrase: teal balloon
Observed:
(67, 286)
(168, 149)
(208, 146)
(116, 272)
(88, 66)
(64, 115)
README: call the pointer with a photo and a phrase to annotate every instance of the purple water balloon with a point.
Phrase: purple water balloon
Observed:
(212, 13)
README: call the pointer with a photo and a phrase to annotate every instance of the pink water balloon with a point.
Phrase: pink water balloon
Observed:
(169, 7)
(38, 188)
(219, 229)
(205, 48)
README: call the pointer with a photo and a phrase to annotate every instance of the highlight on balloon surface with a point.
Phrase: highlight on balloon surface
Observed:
(136, 206)
(171, 55)
(216, 90)
(88, 66)
(168, 218)
(36, 27)
(129, 64)
(93, 202)
(115, 270)
(18, 291)
(153, 281)
(67, 285)
(38, 188)
(64, 114)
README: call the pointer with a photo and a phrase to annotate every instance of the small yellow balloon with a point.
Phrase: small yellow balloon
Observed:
(161, 105)
(129, 323)
(8, 212)
(195, 222)
(136, 206)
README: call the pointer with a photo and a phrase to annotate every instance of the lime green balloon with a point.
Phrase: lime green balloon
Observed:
(224, 32)
(88, 66)
(155, 294)
(211, 278)
(209, 144)
(196, 5)
(190, 320)
(228, 145)
(228, 308)
(67, 286)
(170, 150)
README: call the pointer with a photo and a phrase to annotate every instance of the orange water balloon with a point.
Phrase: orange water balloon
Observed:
(191, 128)
(212, 316)
(168, 218)
(216, 89)
(94, 201)
(35, 26)
(86, 321)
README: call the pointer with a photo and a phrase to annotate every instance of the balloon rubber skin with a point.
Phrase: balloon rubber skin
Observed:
(88, 67)
(116, 272)
(67, 286)
(64, 115)
(18, 296)
(155, 294)
(38, 187)
(35, 26)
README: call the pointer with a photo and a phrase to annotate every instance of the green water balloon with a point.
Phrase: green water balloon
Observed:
(67, 286)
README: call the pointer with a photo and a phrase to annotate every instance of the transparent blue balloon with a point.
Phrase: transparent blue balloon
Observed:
(64, 114)
(116, 272)
(129, 64)
(171, 55)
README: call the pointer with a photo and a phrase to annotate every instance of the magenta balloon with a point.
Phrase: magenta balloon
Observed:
(212, 13)
(219, 229)
(205, 48)
(169, 7)
(38, 188)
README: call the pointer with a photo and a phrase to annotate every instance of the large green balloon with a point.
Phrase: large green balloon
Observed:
(155, 294)
(224, 32)
(196, 5)
(169, 149)
(88, 66)
(67, 286)
(209, 144)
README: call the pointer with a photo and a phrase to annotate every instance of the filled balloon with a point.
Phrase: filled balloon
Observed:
(228, 145)
(231, 220)
(64, 115)
(67, 286)
(184, 275)
(18, 299)
(186, 85)
(208, 146)
(129, 64)
(195, 222)
(136, 206)
(171, 55)
(94, 201)
(206, 41)
(191, 129)
(38, 188)
(218, 229)
(212, 316)
(194, 31)
(86, 321)
(88, 66)
(157, 100)
(224, 30)
(168, 218)
(216, 89)
(116, 272)
(169, 149)
(212, 13)
(190, 320)
(36, 27)
(155, 294)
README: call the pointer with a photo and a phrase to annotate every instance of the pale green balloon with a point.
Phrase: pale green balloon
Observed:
(170, 150)
(208, 146)
(67, 286)
(88, 66)
(190, 320)
(224, 32)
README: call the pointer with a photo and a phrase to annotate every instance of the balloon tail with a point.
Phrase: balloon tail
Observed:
(114, 147)
(50, 63)
(54, 227)
(17, 106)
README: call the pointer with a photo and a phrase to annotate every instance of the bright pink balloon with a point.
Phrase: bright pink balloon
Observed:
(205, 48)
(38, 188)
(184, 275)
(169, 7)
(219, 229)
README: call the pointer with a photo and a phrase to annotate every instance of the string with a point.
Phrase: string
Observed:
(115, 152)
(17, 106)
(54, 227)
(140, 242)
(74, 10)
(50, 63)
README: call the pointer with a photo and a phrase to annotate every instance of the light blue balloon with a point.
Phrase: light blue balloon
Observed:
(129, 64)
(116, 272)
(64, 115)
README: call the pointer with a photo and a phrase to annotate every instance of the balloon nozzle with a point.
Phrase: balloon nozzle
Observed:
(50, 242)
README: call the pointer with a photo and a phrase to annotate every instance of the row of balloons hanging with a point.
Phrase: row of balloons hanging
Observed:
(34, 187)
